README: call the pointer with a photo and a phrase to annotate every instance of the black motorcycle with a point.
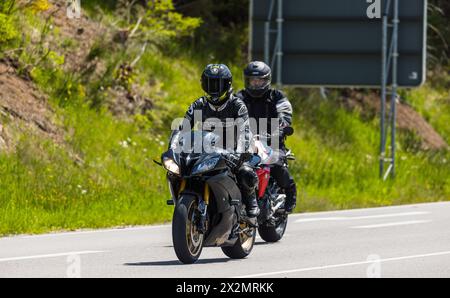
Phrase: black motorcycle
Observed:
(208, 204)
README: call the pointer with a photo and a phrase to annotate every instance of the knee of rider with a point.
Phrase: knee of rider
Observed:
(248, 179)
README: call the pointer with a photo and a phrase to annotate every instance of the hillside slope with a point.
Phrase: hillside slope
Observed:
(83, 114)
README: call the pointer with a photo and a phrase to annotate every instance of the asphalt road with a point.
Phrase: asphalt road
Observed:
(406, 241)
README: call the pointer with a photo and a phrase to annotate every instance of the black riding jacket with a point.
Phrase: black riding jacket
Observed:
(273, 105)
(232, 115)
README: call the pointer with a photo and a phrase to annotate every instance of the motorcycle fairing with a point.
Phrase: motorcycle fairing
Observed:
(226, 192)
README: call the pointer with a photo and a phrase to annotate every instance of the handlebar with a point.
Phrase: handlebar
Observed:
(284, 132)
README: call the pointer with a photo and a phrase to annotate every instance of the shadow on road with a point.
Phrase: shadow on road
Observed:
(256, 244)
(177, 263)
(264, 243)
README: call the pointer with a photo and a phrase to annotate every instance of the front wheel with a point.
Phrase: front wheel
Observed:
(273, 233)
(244, 244)
(187, 240)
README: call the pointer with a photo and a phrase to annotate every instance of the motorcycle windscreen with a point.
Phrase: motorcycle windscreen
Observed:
(266, 153)
(199, 141)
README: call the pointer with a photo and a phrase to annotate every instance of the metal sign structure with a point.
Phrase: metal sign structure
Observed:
(336, 43)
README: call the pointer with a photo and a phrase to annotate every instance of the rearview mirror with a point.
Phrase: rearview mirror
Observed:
(288, 131)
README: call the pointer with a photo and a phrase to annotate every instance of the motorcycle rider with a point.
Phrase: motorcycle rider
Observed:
(220, 104)
(264, 102)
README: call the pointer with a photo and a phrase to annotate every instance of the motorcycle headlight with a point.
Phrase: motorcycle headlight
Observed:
(205, 166)
(171, 166)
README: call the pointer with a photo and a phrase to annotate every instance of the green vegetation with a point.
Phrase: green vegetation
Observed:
(337, 164)
(103, 175)
(433, 102)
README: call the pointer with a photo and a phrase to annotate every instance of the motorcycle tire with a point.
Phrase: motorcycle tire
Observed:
(187, 242)
(273, 234)
(242, 248)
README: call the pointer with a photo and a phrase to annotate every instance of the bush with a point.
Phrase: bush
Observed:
(224, 26)
(163, 23)
(157, 20)
(7, 30)
(6, 6)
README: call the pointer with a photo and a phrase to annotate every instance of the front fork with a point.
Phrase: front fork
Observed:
(176, 187)
(203, 210)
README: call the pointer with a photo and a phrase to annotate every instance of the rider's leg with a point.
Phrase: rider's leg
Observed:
(248, 181)
(287, 183)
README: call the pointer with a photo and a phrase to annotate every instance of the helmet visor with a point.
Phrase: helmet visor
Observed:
(215, 86)
(257, 83)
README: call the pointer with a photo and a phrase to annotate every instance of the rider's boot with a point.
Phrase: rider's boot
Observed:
(291, 199)
(252, 207)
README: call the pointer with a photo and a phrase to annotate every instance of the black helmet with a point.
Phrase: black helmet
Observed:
(216, 82)
(258, 77)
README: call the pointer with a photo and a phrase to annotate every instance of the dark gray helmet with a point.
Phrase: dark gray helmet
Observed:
(216, 82)
(258, 77)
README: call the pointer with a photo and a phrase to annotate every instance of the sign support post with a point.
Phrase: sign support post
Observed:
(280, 44)
(389, 63)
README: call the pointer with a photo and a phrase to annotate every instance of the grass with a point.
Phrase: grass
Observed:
(114, 182)
(433, 102)
(42, 188)
(337, 164)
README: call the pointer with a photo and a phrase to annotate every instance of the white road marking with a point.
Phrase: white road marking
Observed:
(292, 216)
(393, 224)
(344, 218)
(372, 209)
(345, 265)
(50, 256)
